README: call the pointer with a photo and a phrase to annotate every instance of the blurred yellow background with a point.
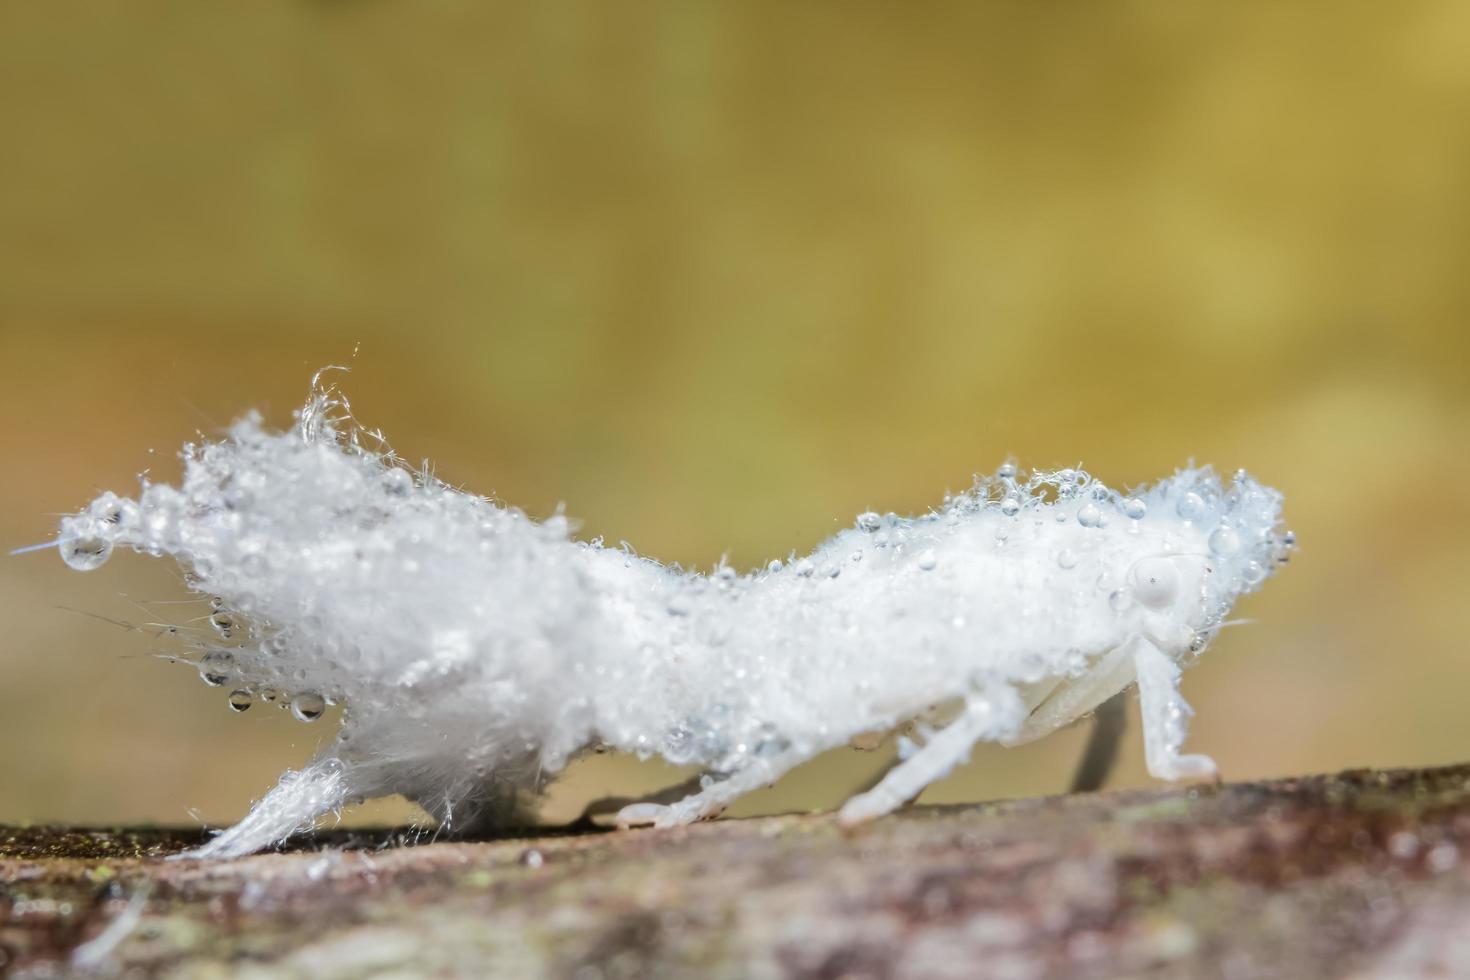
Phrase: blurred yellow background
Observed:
(719, 276)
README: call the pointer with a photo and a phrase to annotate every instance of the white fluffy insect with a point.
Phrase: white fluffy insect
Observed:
(477, 651)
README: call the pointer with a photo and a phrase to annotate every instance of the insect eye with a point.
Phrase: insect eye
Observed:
(1155, 583)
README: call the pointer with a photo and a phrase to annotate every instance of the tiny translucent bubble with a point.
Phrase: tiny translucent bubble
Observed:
(308, 707)
(1067, 558)
(774, 565)
(1191, 506)
(1120, 600)
(1007, 471)
(927, 560)
(1010, 506)
(833, 570)
(805, 568)
(1253, 573)
(86, 552)
(1224, 541)
(869, 521)
(1089, 515)
(240, 700)
(1134, 509)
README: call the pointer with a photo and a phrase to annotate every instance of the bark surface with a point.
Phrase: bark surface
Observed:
(1358, 874)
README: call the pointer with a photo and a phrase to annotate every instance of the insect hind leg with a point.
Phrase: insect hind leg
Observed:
(292, 806)
(1101, 754)
(995, 715)
(713, 797)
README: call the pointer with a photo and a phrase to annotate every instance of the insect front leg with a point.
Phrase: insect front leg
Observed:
(993, 715)
(1165, 717)
(292, 806)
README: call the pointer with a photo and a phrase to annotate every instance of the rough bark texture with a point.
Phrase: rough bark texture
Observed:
(1360, 874)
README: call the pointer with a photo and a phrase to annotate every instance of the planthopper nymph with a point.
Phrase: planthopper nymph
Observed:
(476, 651)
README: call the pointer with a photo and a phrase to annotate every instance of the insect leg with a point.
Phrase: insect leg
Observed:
(293, 805)
(710, 800)
(1101, 753)
(1165, 717)
(995, 715)
(606, 805)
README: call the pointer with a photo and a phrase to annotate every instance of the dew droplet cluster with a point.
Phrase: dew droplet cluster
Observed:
(475, 650)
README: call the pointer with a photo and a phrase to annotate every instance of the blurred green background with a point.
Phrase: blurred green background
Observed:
(720, 276)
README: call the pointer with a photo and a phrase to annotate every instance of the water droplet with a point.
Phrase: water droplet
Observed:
(1253, 573)
(725, 574)
(805, 568)
(1033, 668)
(832, 571)
(1224, 541)
(927, 560)
(215, 668)
(1067, 558)
(1007, 471)
(856, 556)
(308, 707)
(112, 509)
(1010, 506)
(223, 623)
(774, 565)
(679, 745)
(1191, 506)
(397, 482)
(1120, 600)
(240, 701)
(869, 521)
(532, 859)
(1088, 515)
(86, 552)
(1134, 509)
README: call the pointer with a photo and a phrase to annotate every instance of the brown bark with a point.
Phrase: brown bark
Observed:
(1362, 874)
